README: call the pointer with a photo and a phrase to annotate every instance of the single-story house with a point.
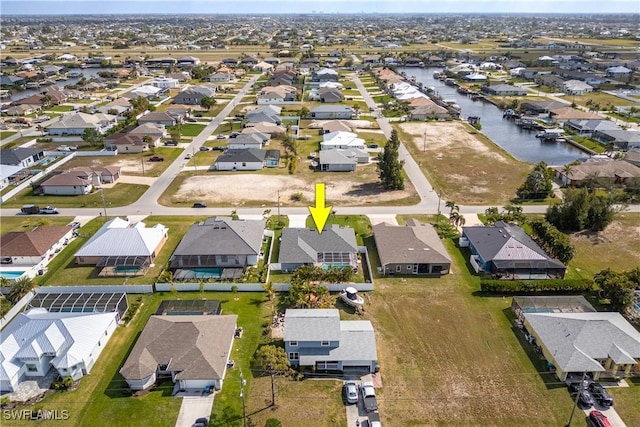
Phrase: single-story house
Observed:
(158, 117)
(613, 171)
(335, 247)
(563, 114)
(331, 112)
(188, 61)
(165, 82)
(37, 340)
(154, 130)
(10, 174)
(129, 143)
(618, 72)
(193, 349)
(221, 77)
(264, 127)
(80, 180)
(506, 251)
(248, 140)
(588, 127)
(430, 111)
(268, 113)
(193, 95)
(342, 140)
(336, 126)
(76, 123)
(623, 139)
(318, 338)
(341, 160)
(222, 243)
(504, 90)
(277, 95)
(121, 247)
(595, 342)
(31, 248)
(413, 249)
(245, 159)
(576, 87)
(146, 91)
(21, 156)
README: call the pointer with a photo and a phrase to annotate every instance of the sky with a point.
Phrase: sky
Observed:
(88, 7)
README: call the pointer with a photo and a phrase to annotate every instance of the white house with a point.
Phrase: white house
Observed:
(30, 251)
(248, 140)
(576, 87)
(38, 340)
(342, 140)
(618, 72)
(247, 159)
(165, 83)
(7, 172)
(193, 349)
(76, 123)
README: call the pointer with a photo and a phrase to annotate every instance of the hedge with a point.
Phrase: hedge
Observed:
(534, 286)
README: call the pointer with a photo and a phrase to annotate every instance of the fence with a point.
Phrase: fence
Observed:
(250, 287)
(35, 178)
(17, 309)
(130, 289)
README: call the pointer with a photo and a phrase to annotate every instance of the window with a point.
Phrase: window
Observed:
(409, 267)
(293, 343)
(324, 343)
(398, 267)
(32, 367)
(294, 355)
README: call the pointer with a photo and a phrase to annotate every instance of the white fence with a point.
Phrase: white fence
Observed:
(130, 289)
(35, 178)
(16, 309)
(250, 287)
(96, 153)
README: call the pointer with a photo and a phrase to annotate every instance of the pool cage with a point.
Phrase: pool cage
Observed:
(123, 265)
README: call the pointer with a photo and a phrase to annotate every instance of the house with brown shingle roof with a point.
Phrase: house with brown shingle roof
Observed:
(29, 248)
(80, 180)
(413, 249)
(193, 349)
(130, 143)
(614, 171)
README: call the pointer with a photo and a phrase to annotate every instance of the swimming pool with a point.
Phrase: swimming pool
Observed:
(11, 275)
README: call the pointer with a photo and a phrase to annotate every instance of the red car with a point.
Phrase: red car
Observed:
(156, 159)
(598, 419)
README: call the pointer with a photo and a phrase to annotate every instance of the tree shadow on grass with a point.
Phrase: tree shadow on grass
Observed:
(536, 359)
(118, 387)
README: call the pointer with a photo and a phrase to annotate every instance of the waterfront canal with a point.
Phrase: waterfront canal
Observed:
(521, 144)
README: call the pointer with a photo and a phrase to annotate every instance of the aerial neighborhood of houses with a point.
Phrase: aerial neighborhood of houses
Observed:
(320, 220)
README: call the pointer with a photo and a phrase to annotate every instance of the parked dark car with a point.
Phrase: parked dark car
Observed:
(598, 419)
(192, 120)
(217, 148)
(156, 159)
(234, 134)
(600, 394)
(171, 143)
(203, 148)
(199, 205)
(30, 210)
(585, 400)
(201, 422)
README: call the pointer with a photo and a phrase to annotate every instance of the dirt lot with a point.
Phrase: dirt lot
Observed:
(468, 168)
(130, 164)
(254, 189)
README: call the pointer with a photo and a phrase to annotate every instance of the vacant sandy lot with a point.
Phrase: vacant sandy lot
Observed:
(254, 189)
(467, 167)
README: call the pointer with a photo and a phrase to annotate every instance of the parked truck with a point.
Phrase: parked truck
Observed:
(30, 210)
(374, 419)
(369, 396)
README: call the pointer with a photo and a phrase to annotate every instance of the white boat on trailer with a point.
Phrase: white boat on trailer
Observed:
(350, 297)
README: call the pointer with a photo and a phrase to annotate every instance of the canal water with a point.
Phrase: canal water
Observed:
(86, 72)
(521, 144)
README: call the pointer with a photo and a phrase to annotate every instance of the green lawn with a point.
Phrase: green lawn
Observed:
(188, 129)
(118, 195)
(101, 397)
(589, 143)
(6, 134)
(60, 108)
(360, 224)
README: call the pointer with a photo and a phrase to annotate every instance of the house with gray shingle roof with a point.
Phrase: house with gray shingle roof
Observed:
(414, 249)
(335, 247)
(219, 243)
(506, 251)
(245, 159)
(21, 156)
(318, 338)
(193, 349)
(596, 342)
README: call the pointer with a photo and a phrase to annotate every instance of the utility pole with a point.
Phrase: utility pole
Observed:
(273, 390)
(142, 163)
(278, 205)
(439, 197)
(104, 204)
(424, 142)
(575, 403)
(244, 408)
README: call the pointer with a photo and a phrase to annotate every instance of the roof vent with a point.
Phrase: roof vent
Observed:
(425, 249)
(409, 249)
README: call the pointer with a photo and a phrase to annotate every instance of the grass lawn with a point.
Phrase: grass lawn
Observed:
(600, 98)
(360, 224)
(589, 143)
(60, 108)
(22, 223)
(614, 247)
(188, 129)
(627, 402)
(490, 175)
(450, 357)
(101, 396)
(6, 133)
(69, 273)
(118, 195)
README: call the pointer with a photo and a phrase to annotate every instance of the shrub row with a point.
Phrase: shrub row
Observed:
(533, 286)
(552, 240)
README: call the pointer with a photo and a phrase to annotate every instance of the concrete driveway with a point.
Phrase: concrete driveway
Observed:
(194, 407)
(610, 413)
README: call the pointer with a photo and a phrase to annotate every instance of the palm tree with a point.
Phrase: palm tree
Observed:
(567, 169)
(269, 290)
(19, 289)
(452, 205)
